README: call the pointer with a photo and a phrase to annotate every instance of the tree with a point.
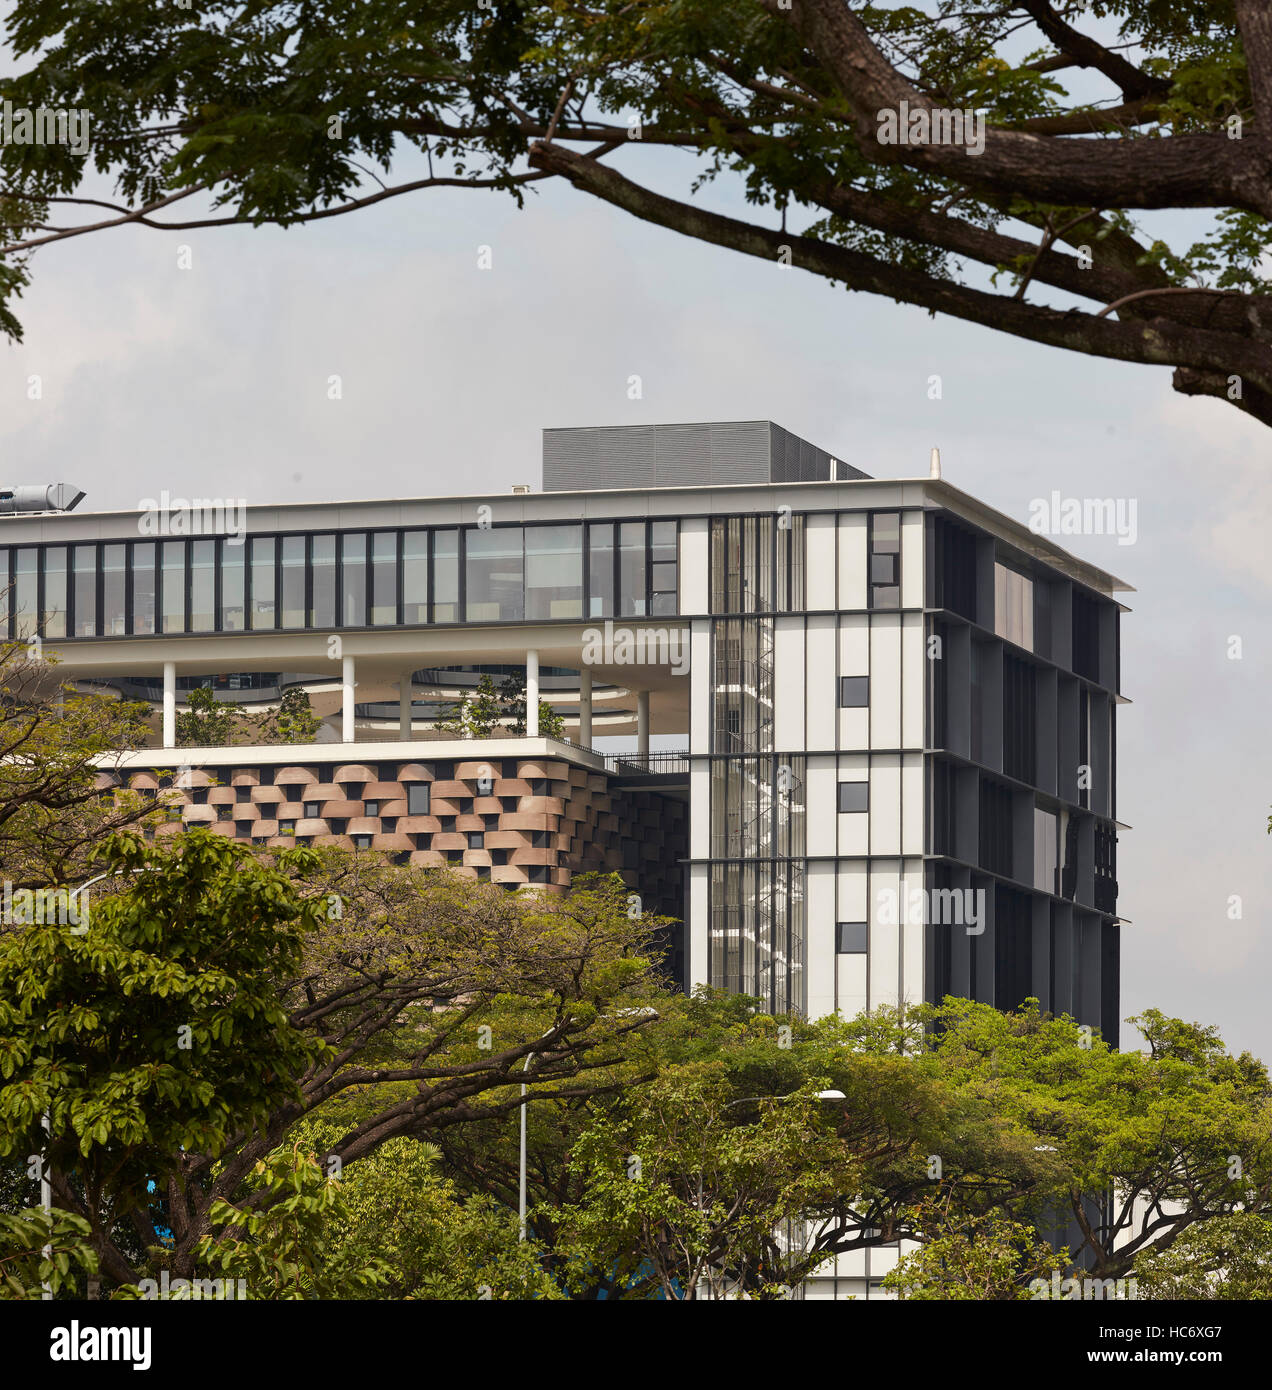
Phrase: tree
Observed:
(838, 119)
(1229, 1257)
(476, 716)
(221, 999)
(512, 697)
(59, 754)
(292, 720)
(134, 1037)
(208, 722)
(974, 1260)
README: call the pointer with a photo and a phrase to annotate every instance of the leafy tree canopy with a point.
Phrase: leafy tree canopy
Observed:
(1039, 220)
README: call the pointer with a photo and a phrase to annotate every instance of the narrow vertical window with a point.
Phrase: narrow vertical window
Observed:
(84, 571)
(292, 568)
(415, 577)
(384, 578)
(202, 586)
(233, 560)
(26, 600)
(262, 573)
(171, 587)
(54, 592)
(446, 576)
(114, 590)
(143, 588)
(322, 562)
(353, 579)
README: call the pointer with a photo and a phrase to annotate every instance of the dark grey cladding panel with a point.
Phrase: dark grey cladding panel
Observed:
(693, 455)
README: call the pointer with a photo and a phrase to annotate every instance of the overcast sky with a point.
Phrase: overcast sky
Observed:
(213, 380)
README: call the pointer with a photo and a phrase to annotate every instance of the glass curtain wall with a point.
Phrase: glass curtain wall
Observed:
(540, 573)
(756, 903)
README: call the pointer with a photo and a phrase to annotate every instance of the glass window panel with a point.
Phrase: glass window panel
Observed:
(446, 576)
(26, 596)
(6, 593)
(662, 540)
(494, 575)
(143, 587)
(1013, 605)
(631, 567)
(202, 586)
(415, 577)
(292, 606)
(554, 571)
(600, 570)
(664, 604)
(263, 583)
(322, 560)
(114, 590)
(172, 586)
(664, 578)
(854, 691)
(353, 565)
(853, 796)
(55, 591)
(1046, 850)
(384, 578)
(84, 570)
(885, 532)
(233, 563)
(853, 938)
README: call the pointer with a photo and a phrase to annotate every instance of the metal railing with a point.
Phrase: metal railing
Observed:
(642, 764)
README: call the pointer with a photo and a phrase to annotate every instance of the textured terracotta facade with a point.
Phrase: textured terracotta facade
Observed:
(511, 821)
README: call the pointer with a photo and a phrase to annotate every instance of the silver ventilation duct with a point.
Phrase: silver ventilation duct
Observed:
(39, 497)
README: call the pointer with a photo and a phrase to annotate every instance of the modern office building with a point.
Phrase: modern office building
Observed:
(870, 723)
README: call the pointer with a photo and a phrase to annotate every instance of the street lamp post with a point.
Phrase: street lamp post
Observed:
(521, 1167)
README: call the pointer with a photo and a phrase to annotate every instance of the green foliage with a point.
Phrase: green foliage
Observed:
(978, 1259)
(1227, 1257)
(159, 1029)
(436, 1244)
(208, 722)
(39, 1248)
(489, 709)
(213, 723)
(285, 1250)
(291, 721)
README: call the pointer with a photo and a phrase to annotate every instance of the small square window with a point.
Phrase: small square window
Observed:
(885, 596)
(312, 810)
(476, 839)
(362, 842)
(854, 691)
(417, 798)
(883, 569)
(854, 796)
(851, 938)
(370, 808)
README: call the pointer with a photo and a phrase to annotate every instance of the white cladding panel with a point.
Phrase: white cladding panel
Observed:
(852, 985)
(698, 969)
(699, 809)
(914, 665)
(912, 804)
(885, 804)
(819, 554)
(821, 799)
(885, 681)
(788, 685)
(911, 559)
(853, 561)
(820, 685)
(885, 936)
(819, 939)
(694, 564)
(700, 687)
